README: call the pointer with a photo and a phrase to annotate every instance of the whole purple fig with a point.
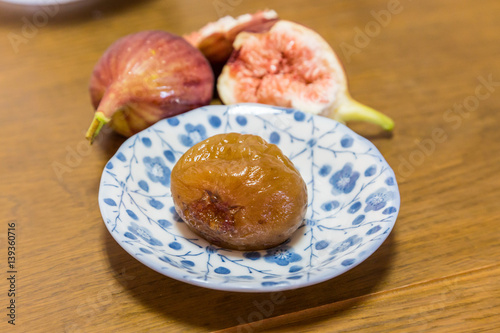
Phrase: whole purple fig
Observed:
(145, 77)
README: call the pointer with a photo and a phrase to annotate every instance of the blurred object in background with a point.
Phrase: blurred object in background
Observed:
(59, 10)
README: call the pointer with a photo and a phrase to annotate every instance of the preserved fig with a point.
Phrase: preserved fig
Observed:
(290, 65)
(239, 192)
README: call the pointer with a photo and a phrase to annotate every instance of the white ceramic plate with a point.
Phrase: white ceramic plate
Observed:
(353, 200)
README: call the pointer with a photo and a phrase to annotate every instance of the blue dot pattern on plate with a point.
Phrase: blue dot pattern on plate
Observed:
(353, 200)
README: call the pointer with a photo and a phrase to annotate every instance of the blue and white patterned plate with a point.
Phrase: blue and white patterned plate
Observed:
(353, 200)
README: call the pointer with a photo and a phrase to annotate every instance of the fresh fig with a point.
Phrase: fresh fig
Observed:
(215, 40)
(239, 192)
(291, 66)
(145, 77)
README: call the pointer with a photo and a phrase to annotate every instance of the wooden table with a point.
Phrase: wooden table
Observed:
(433, 66)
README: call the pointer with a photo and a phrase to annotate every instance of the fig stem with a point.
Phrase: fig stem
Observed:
(353, 110)
(95, 127)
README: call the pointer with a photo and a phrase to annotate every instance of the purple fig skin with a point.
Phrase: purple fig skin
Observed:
(145, 77)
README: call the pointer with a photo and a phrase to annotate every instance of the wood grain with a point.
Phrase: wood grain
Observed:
(431, 58)
(435, 305)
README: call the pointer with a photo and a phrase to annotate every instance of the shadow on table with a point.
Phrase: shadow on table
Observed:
(370, 131)
(214, 310)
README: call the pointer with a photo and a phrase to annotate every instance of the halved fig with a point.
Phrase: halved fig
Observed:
(239, 192)
(215, 40)
(291, 66)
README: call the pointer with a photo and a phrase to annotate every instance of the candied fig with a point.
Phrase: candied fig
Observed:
(239, 192)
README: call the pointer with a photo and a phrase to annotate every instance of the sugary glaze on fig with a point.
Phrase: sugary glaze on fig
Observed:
(239, 192)
(212, 210)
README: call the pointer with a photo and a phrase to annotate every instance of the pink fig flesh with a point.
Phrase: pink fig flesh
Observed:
(145, 77)
(291, 66)
(215, 40)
